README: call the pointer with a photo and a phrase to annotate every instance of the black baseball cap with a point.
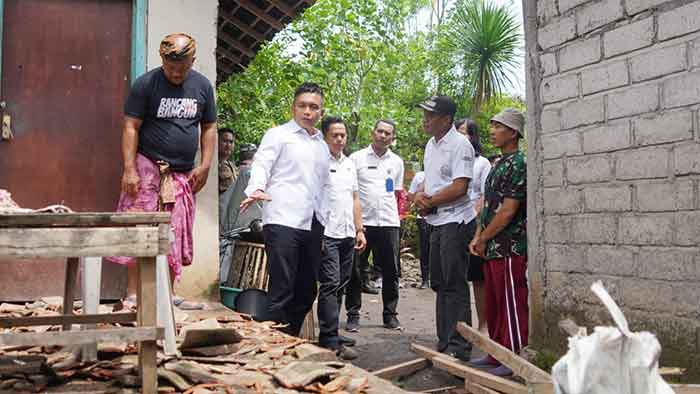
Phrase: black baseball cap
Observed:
(441, 105)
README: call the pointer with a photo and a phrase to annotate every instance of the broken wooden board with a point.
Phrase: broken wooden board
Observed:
(517, 364)
(198, 338)
(82, 219)
(211, 351)
(310, 352)
(403, 369)
(26, 364)
(299, 374)
(454, 367)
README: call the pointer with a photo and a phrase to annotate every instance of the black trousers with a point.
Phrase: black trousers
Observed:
(449, 261)
(334, 275)
(293, 257)
(383, 243)
(424, 241)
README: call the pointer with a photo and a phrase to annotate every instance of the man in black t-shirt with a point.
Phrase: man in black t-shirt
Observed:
(163, 114)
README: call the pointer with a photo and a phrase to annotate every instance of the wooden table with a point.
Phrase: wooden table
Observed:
(75, 235)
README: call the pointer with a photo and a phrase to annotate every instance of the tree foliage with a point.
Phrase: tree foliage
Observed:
(369, 63)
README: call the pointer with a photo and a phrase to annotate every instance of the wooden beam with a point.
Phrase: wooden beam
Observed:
(403, 369)
(84, 242)
(262, 14)
(227, 69)
(686, 388)
(67, 338)
(229, 55)
(454, 367)
(475, 388)
(83, 219)
(227, 38)
(284, 8)
(9, 322)
(519, 365)
(242, 26)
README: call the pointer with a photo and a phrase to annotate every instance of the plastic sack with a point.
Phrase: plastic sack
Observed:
(612, 360)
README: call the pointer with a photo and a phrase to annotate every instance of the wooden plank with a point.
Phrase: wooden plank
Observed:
(83, 219)
(519, 365)
(138, 38)
(686, 388)
(540, 388)
(82, 242)
(66, 338)
(72, 265)
(475, 388)
(403, 369)
(454, 367)
(147, 316)
(8, 322)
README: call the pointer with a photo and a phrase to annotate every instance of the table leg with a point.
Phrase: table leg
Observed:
(147, 318)
(72, 264)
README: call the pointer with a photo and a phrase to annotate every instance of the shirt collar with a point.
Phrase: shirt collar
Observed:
(445, 138)
(339, 161)
(372, 152)
(294, 126)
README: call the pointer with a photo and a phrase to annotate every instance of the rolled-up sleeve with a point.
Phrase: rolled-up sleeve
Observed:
(263, 160)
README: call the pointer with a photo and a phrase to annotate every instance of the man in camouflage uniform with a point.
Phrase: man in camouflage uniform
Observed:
(501, 240)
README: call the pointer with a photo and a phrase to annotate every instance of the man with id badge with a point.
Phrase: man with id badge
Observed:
(448, 163)
(379, 175)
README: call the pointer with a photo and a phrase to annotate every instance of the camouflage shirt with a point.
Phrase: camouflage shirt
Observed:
(507, 179)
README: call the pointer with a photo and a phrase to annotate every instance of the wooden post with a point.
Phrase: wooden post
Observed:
(147, 317)
(72, 264)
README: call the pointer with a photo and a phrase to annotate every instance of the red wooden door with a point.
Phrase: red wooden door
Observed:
(65, 75)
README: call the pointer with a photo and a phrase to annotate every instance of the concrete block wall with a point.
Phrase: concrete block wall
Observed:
(614, 166)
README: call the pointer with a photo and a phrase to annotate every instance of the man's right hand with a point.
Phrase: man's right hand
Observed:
(257, 195)
(130, 182)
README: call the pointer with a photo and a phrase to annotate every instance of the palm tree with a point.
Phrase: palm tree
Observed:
(485, 40)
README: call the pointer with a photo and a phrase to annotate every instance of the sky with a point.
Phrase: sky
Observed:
(518, 87)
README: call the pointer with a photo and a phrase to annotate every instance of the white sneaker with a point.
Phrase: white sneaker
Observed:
(378, 283)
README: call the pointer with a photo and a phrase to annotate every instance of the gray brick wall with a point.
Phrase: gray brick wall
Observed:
(613, 101)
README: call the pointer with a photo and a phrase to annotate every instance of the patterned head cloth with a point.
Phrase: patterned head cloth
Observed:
(177, 46)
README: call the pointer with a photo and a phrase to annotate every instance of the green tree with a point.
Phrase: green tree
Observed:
(481, 43)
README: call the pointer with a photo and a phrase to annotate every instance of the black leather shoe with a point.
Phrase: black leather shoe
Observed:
(393, 324)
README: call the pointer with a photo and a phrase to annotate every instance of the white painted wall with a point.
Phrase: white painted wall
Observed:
(197, 18)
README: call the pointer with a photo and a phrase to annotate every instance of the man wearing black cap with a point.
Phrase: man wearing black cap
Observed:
(448, 163)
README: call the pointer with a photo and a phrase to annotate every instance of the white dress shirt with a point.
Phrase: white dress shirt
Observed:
(482, 167)
(444, 161)
(292, 167)
(378, 178)
(342, 184)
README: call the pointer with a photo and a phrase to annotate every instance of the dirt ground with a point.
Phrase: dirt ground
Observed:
(379, 348)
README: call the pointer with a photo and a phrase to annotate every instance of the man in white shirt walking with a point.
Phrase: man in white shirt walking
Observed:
(379, 175)
(343, 235)
(289, 173)
(449, 165)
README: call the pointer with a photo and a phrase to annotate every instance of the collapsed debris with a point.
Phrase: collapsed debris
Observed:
(220, 351)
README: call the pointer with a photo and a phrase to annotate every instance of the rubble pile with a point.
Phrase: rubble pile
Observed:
(226, 353)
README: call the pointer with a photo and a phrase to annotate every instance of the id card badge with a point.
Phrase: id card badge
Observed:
(389, 183)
